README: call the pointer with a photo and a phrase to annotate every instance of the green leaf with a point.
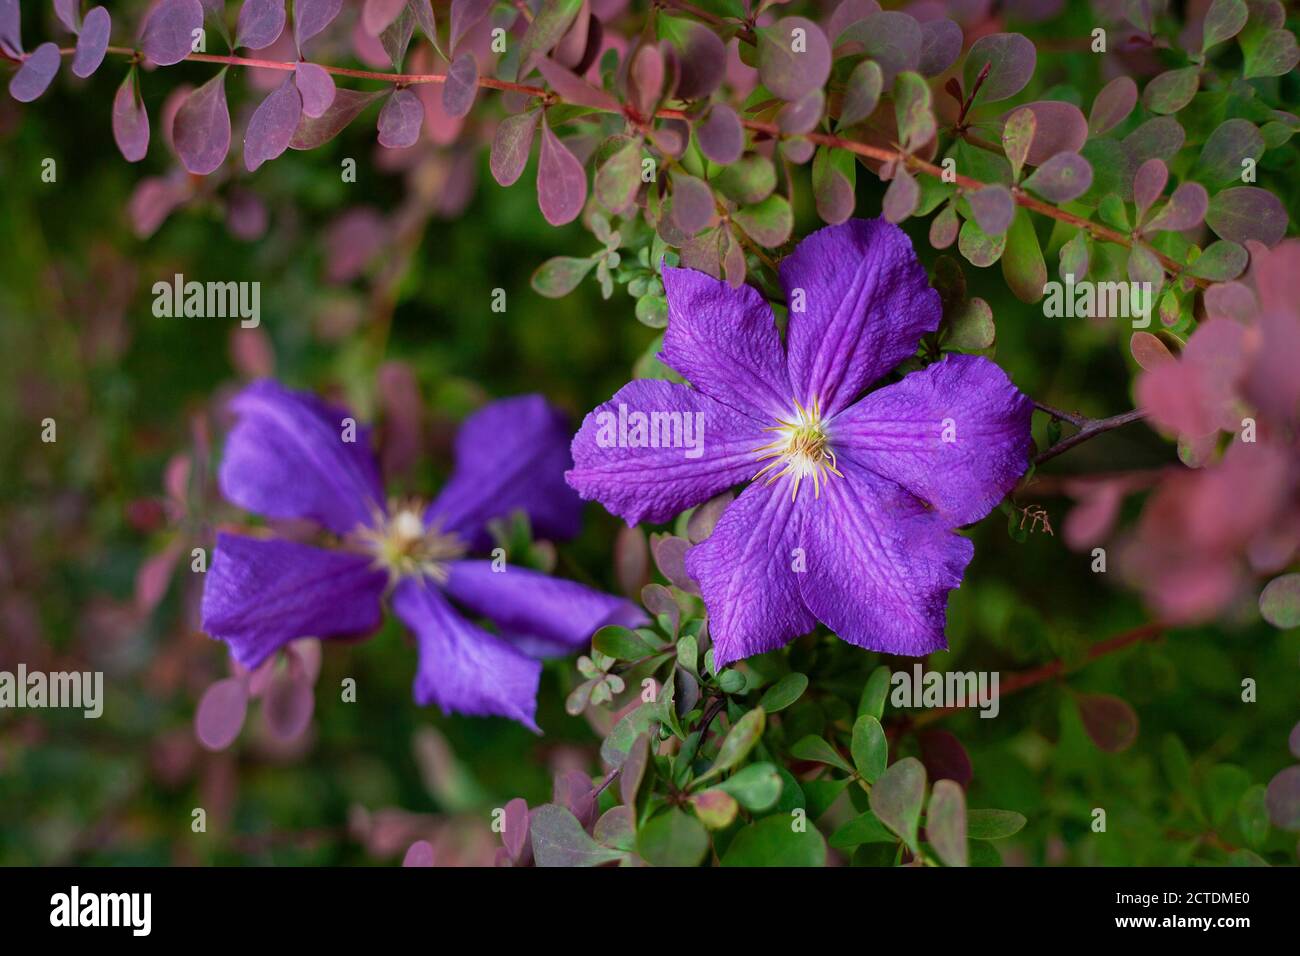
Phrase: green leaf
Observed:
(559, 840)
(546, 30)
(559, 276)
(993, 824)
(1220, 261)
(740, 740)
(621, 643)
(876, 690)
(979, 248)
(783, 693)
(1017, 136)
(1022, 262)
(619, 177)
(773, 841)
(674, 838)
(615, 747)
(1223, 21)
(757, 786)
(896, 799)
(912, 110)
(1171, 91)
(715, 807)
(945, 823)
(861, 829)
(870, 748)
(971, 327)
(1252, 815)
(815, 748)
(1279, 602)
(769, 223)
(1114, 213)
(861, 93)
(749, 181)
(1274, 54)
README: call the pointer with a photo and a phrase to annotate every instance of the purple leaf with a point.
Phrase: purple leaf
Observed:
(400, 120)
(720, 136)
(345, 107)
(993, 208)
(944, 757)
(169, 32)
(703, 62)
(376, 15)
(1060, 127)
(561, 180)
(1009, 59)
(419, 854)
(310, 17)
(462, 85)
(1185, 210)
(846, 14)
(260, 23)
(940, 46)
(221, 712)
(422, 10)
(862, 93)
(645, 79)
(572, 48)
(1113, 105)
(130, 121)
(1110, 722)
(1247, 212)
(36, 74)
(272, 125)
(511, 145)
(832, 189)
(514, 834)
(92, 42)
(802, 115)
(289, 701)
(890, 38)
(465, 14)
(11, 34)
(1226, 150)
(794, 57)
(1064, 177)
(68, 12)
(571, 87)
(1158, 138)
(316, 87)
(901, 197)
(692, 203)
(1283, 799)
(573, 791)
(201, 130)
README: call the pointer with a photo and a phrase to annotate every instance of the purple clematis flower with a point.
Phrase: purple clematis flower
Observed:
(852, 500)
(289, 456)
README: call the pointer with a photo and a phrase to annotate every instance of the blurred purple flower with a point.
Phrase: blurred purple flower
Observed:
(869, 548)
(292, 456)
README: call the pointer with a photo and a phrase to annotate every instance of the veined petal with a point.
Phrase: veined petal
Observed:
(749, 572)
(260, 594)
(657, 448)
(289, 456)
(866, 303)
(540, 615)
(880, 564)
(956, 435)
(725, 342)
(462, 668)
(510, 455)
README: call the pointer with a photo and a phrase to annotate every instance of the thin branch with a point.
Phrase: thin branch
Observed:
(1089, 428)
(879, 153)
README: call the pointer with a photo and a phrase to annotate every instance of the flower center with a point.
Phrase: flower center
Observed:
(802, 450)
(404, 547)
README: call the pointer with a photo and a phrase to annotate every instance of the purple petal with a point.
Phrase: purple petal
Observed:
(550, 615)
(615, 464)
(260, 23)
(899, 433)
(310, 17)
(169, 32)
(748, 571)
(400, 120)
(880, 564)
(510, 456)
(201, 129)
(92, 42)
(130, 121)
(867, 303)
(316, 87)
(36, 74)
(11, 35)
(287, 458)
(464, 669)
(260, 594)
(725, 342)
(272, 124)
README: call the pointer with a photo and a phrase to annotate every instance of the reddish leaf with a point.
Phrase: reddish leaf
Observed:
(1110, 722)
(201, 130)
(316, 87)
(169, 32)
(561, 180)
(461, 88)
(130, 121)
(92, 42)
(272, 125)
(511, 146)
(400, 120)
